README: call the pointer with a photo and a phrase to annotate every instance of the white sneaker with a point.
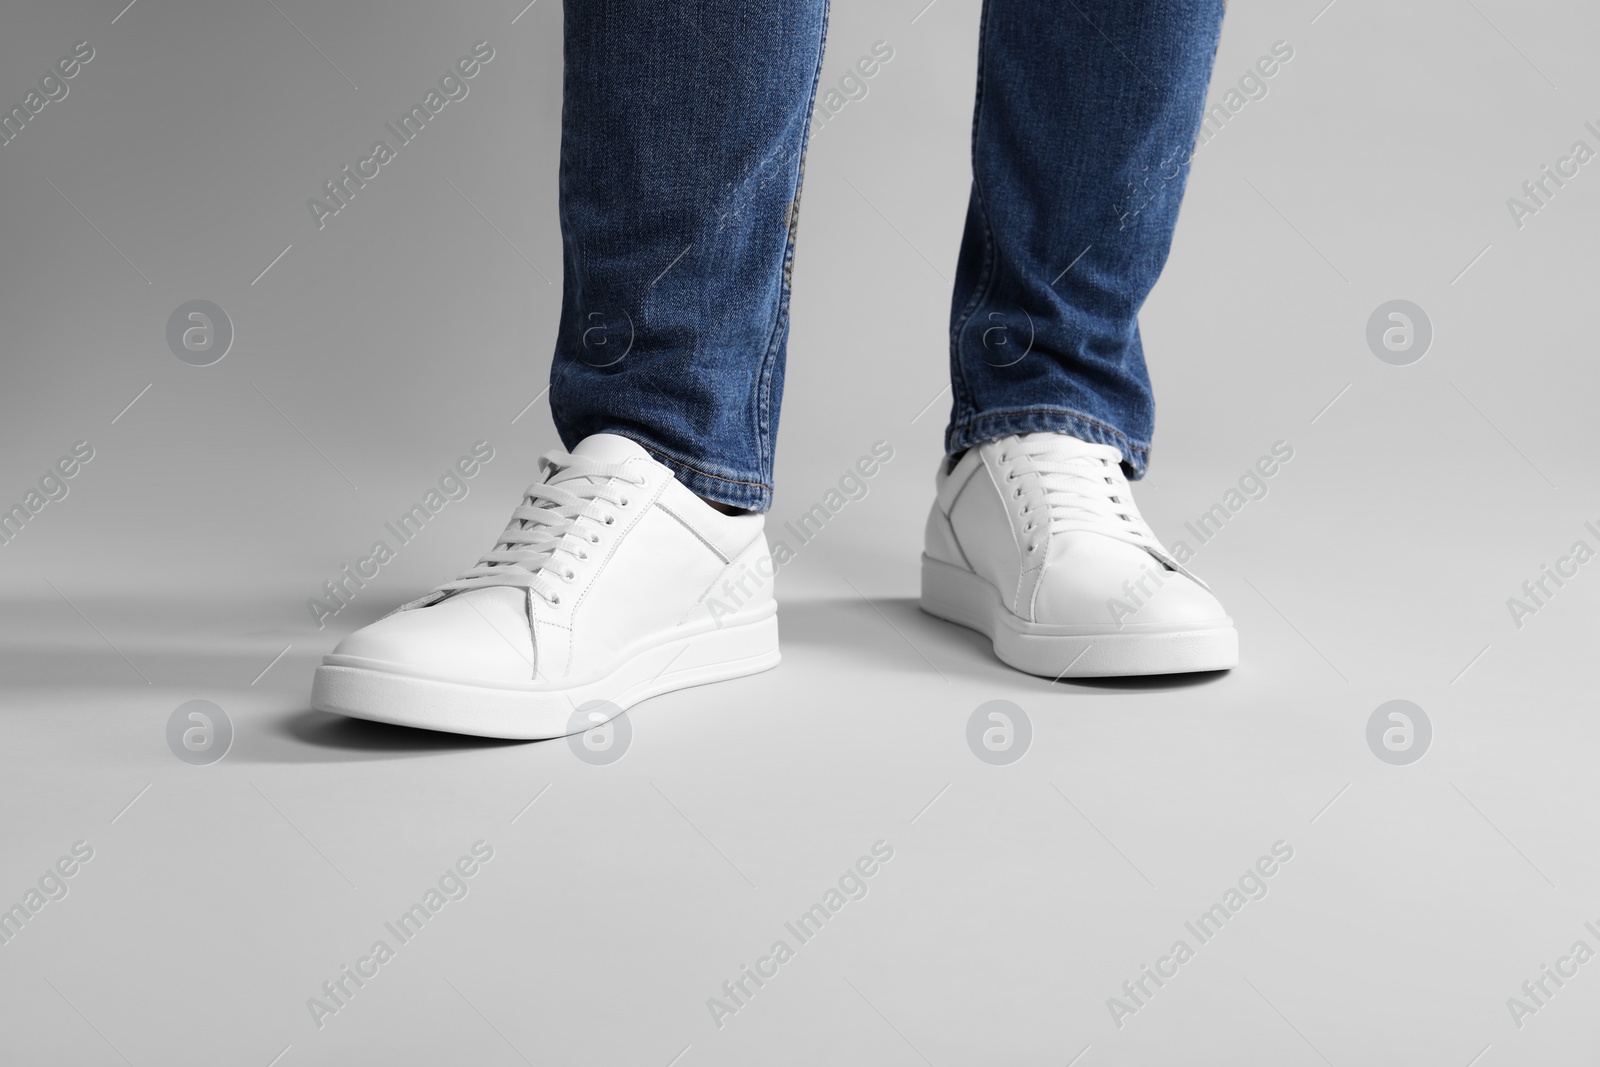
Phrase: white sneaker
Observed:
(1035, 541)
(613, 583)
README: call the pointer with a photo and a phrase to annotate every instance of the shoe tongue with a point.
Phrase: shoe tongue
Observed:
(608, 448)
(1064, 446)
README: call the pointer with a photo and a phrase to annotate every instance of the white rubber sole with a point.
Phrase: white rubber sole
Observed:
(382, 692)
(962, 597)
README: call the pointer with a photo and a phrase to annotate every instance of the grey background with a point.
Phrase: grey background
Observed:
(375, 351)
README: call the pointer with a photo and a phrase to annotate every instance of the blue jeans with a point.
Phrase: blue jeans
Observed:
(684, 131)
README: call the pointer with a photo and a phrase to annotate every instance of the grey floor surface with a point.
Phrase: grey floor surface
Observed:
(1429, 882)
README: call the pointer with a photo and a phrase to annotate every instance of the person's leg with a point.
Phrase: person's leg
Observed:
(683, 137)
(683, 133)
(1087, 111)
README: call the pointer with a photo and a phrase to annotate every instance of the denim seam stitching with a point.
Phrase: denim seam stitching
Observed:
(961, 390)
(765, 454)
(572, 254)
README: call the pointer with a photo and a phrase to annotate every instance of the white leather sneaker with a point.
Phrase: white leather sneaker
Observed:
(1035, 541)
(613, 583)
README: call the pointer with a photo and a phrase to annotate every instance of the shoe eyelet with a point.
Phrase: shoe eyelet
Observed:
(610, 519)
(555, 600)
(624, 502)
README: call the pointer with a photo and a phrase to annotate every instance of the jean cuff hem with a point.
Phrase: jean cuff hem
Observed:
(977, 429)
(735, 492)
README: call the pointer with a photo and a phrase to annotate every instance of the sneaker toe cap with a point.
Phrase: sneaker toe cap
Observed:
(1096, 580)
(481, 636)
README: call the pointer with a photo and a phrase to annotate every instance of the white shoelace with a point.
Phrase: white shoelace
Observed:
(1080, 489)
(559, 520)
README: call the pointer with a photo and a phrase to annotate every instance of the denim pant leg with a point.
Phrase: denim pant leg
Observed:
(1087, 112)
(682, 144)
